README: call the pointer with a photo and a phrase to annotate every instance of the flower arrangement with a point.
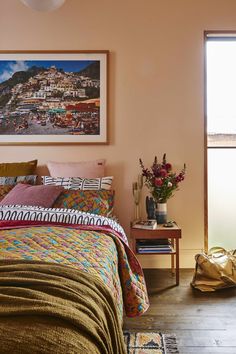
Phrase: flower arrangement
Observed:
(161, 180)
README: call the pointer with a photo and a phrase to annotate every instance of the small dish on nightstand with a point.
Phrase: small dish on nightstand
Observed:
(169, 224)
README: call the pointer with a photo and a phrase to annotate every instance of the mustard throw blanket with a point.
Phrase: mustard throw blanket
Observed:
(51, 308)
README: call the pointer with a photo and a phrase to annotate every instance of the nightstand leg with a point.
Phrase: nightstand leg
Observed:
(177, 261)
(172, 258)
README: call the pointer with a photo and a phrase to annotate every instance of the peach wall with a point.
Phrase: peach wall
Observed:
(155, 88)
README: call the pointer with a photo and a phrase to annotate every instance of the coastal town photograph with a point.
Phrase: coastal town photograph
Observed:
(50, 97)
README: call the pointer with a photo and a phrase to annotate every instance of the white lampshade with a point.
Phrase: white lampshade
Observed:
(43, 5)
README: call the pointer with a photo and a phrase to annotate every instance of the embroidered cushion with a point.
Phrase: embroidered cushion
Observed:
(85, 169)
(79, 183)
(12, 169)
(99, 202)
(25, 194)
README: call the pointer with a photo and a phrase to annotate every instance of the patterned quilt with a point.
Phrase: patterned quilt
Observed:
(97, 245)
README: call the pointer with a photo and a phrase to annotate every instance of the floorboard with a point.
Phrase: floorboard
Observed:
(203, 322)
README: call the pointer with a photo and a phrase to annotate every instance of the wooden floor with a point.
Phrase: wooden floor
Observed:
(202, 322)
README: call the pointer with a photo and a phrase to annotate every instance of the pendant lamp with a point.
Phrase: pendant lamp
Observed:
(43, 5)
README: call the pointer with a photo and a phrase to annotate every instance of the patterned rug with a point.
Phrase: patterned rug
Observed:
(150, 343)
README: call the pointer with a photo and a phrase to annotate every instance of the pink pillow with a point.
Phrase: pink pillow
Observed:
(25, 194)
(84, 169)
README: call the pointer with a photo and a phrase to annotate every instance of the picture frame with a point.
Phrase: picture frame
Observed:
(53, 97)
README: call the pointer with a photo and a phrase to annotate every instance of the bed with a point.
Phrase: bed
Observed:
(66, 279)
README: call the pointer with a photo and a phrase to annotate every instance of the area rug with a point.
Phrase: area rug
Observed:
(150, 343)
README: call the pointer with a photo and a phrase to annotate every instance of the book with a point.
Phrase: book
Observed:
(154, 246)
(155, 249)
(145, 224)
(159, 241)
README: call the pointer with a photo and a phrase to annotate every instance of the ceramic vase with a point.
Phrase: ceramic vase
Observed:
(150, 208)
(161, 213)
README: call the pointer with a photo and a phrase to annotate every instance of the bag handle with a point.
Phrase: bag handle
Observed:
(217, 249)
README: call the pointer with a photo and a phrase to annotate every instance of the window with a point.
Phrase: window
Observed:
(221, 138)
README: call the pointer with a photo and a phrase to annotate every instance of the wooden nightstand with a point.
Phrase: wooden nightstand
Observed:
(161, 232)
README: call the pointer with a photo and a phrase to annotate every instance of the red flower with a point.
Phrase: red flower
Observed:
(160, 179)
(180, 177)
(158, 182)
(163, 172)
(168, 166)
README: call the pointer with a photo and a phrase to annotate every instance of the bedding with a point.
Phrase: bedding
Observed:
(41, 195)
(7, 183)
(88, 248)
(30, 179)
(84, 169)
(79, 183)
(4, 190)
(12, 169)
(60, 310)
(100, 202)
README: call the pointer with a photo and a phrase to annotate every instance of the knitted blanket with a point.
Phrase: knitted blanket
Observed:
(52, 308)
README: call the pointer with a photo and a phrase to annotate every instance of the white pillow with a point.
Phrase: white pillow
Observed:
(79, 183)
(84, 169)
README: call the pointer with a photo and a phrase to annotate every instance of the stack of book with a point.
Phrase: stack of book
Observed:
(145, 224)
(154, 246)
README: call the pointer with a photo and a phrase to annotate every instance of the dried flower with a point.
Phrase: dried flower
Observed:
(160, 179)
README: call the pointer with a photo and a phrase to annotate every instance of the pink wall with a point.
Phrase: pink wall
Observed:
(155, 88)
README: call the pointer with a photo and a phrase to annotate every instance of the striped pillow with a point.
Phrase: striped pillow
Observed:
(79, 183)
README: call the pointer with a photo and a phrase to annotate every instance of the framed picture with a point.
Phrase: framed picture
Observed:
(53, 97)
